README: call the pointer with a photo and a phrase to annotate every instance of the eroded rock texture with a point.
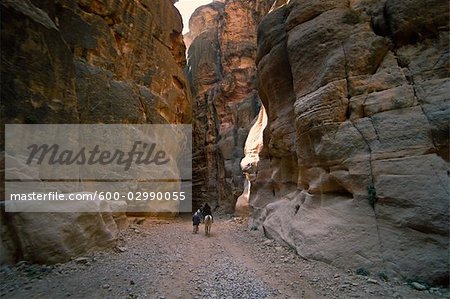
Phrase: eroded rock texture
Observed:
(49, 238)
(93, 62)
(221, 63)
(85, 61)
(354, 170)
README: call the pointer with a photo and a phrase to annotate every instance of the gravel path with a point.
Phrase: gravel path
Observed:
(163, 259)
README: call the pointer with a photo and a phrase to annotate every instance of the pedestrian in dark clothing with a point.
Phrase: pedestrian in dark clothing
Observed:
(206, 210)
(199, 212)
(195, 222)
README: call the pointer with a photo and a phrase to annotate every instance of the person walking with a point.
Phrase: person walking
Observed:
(196, 219)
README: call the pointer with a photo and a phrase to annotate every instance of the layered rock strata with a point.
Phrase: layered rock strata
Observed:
(93, 62)
(222, 70)
(354, 170)
(87, 62)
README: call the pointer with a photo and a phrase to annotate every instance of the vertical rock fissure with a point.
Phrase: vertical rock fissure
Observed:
(351, 121)
(219, 47)
(347, 81)
(410, 80)
(364, 135)
(212, 131)
(371, 190)
(222, 55)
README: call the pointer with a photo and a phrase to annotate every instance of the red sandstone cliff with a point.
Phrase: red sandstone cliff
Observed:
(222, 70)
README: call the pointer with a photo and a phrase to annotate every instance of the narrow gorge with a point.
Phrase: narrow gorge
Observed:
(322, 126)
(222, 72)
(353, 165)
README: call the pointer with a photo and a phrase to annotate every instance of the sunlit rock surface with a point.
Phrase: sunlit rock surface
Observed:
(252, 151)
(222, 70)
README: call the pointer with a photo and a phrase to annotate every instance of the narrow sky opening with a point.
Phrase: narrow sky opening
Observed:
(186, 8)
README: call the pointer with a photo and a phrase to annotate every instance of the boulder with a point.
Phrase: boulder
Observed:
(49, 238)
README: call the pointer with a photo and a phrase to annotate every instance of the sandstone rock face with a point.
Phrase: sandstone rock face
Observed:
(50, 238)
(37, 48)
(85, 61)
(252, 151)
(354, 169)
(222, 70)
(93, 62)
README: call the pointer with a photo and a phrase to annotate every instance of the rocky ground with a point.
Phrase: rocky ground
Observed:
(163, 259)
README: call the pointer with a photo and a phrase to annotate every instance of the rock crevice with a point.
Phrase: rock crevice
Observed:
(221, 55)
(367, 185)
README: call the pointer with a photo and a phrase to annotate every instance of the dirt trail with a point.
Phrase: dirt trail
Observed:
(222, 266)
(163, 259)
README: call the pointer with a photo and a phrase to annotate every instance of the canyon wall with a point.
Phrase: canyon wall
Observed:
(222, 71)
(354, 169)
(86, 62)
(93, 62)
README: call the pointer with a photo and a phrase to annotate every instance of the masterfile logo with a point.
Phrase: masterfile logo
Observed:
(55, 155)
(147, 167)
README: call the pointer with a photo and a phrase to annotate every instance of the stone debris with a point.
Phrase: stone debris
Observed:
(121, 248)
(371, 280)
(139, 221)
(81, 260)
(418, 286)
(268, 242)
(165, 264)
(367, 95)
